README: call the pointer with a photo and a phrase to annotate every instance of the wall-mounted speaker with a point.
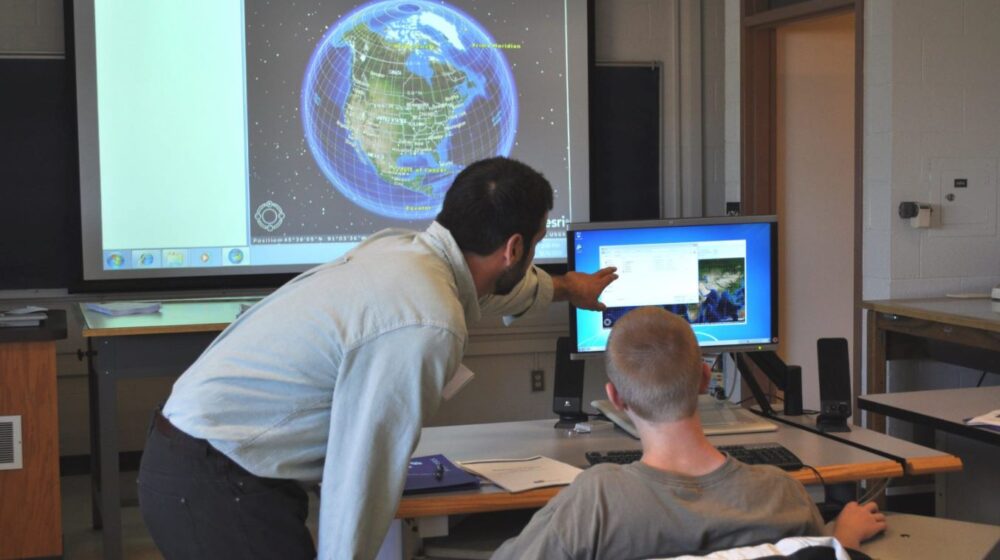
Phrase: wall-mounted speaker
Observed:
(834, 384)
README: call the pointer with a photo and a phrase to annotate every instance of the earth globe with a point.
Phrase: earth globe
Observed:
(398, 97)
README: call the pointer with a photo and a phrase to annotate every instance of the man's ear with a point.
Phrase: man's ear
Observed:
(614, 397)
(706, 376)
(513, 249)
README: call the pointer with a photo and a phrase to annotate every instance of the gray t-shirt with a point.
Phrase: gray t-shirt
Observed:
(636, 511)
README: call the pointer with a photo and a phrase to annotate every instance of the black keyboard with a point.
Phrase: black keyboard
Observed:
(749, 453)
(623, 457)
(763, 454)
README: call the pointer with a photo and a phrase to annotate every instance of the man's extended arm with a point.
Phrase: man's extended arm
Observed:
(582, 290)
(537, 290)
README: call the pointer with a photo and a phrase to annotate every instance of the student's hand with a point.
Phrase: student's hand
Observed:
(857, 523)
(582, 290)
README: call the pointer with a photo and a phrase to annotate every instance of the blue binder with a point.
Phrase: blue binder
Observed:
(435, 473)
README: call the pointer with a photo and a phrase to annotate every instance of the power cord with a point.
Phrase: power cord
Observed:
(829, 510)
(819, 476)
(874, 491)
(732, 386)
(981, 377)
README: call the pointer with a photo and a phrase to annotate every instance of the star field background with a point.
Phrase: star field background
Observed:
(281, 37)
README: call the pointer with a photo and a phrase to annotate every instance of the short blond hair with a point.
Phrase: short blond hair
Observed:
(654, 362)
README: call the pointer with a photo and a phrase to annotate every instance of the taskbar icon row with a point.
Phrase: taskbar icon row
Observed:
(133, 259)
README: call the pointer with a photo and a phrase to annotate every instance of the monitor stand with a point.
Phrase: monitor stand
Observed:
(569, 421)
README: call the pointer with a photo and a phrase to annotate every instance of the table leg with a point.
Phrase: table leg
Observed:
(876, 367)
(95, 439)
(106, 429)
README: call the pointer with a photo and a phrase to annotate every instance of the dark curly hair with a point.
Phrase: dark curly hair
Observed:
(491, 200)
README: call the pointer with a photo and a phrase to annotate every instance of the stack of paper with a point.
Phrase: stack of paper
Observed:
(990, 420)
(27, 316)
(518, 475)
(118, 308)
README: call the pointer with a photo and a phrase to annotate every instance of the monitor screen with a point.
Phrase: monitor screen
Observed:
(248, 137)
(720, 274)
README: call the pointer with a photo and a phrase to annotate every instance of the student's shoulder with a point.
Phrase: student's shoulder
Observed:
(602, 472)
(597, 479)
(597, 484)
(764, 472)
(768, 476)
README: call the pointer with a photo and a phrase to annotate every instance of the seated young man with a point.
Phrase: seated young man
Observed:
(684, 496)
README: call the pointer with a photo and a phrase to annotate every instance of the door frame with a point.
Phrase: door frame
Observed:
(758, 123)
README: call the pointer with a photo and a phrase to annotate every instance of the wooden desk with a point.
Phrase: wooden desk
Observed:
(836, 461)
(30, 508)
(964, 332)
(943, 409)
(915, 459)
(133, 347)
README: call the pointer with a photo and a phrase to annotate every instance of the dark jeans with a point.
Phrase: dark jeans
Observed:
(197, 503)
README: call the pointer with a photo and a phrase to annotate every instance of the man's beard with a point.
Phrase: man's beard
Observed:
(511, 276)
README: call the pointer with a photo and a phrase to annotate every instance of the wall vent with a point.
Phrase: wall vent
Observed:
(10, 443)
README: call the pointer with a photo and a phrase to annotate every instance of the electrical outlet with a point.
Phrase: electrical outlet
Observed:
(537, 380)
(717, 387)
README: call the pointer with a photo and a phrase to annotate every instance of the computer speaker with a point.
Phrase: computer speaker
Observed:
(834, 384)
(567, 388)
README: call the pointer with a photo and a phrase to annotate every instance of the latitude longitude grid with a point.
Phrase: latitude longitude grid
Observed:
(348, 164)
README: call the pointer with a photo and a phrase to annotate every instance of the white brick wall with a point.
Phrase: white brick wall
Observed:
(31, 28)
(931, 76)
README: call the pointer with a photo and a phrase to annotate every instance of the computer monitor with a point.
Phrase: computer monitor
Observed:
(720, 274)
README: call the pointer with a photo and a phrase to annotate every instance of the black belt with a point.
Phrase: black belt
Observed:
(182, 440)
(164, 426)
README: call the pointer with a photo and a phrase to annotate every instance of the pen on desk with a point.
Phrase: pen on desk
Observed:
(439, 471)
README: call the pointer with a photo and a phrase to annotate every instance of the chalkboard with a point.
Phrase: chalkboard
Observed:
(40, 208)
(624, 142)
(39, 177)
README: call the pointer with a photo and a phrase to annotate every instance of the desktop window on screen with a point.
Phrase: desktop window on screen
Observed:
(718, 276)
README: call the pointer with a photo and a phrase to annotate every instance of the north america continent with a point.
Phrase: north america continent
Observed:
(394, 115)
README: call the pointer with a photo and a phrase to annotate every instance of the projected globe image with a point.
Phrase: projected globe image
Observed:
(398, 97)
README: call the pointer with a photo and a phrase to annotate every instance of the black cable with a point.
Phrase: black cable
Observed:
(824, 506)
(981, 377)
(732, 386)
(819, 476)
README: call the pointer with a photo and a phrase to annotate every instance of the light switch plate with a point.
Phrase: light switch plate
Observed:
(963, 211)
